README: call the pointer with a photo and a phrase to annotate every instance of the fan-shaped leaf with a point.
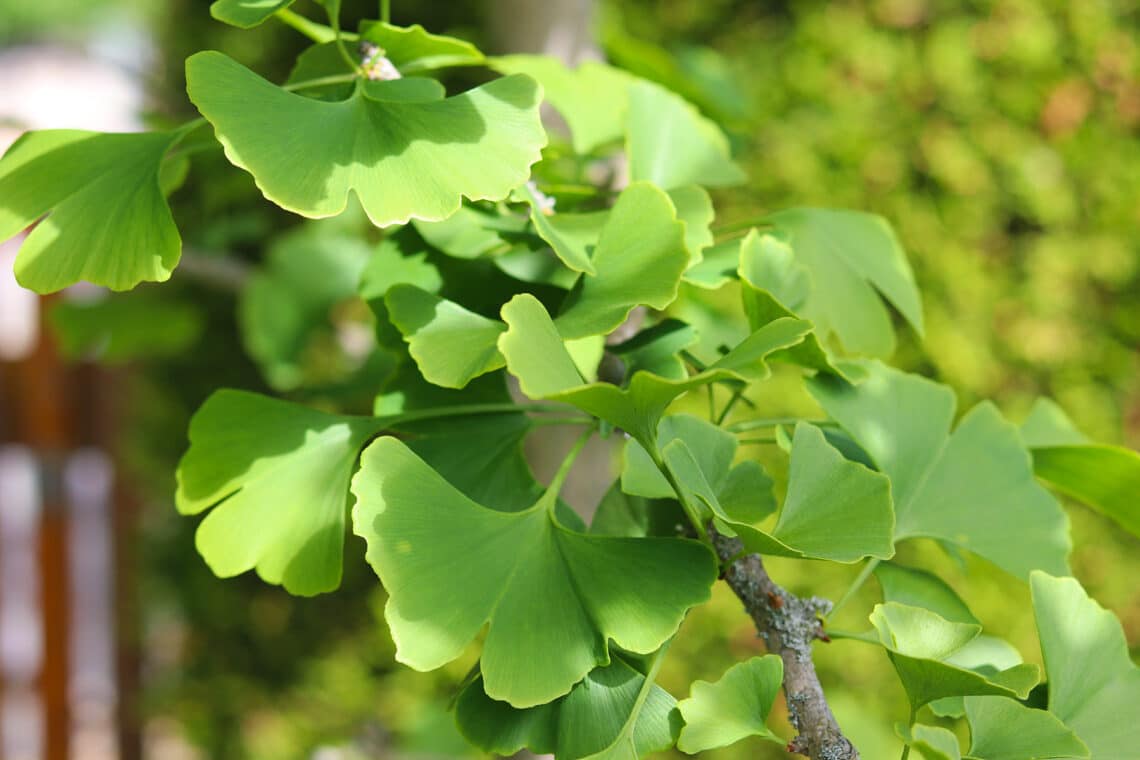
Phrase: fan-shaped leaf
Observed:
(918, 588)
(1003, 729)
(733, 708)
(1094, 686)
(973, 488)
(403, 158)
(813, 522)
(930, 742)
(586, 720)
(246, 13)
(670, 144)
(553, 598)
(920, 644)
(639, 259)
(591, 98)
(450, 344)
(851, 258)
(536, 355)
(106, 220)
(1107, 478)
(277, 476)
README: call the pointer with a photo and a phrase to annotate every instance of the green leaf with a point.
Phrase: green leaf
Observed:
(695, 209)
(657, 349)
(918, 588)
(553, 598)
(585, 721)
(985, 655)
(536, 356)
(469, 233)
(107, 220)
(735, 707)
(450, 344)
(919, 644)
(639, 259)
(277, 477)
(565, 239)
(766, 259)
(413, 50)
(400, 258)
(402, 158)
(851, 258)
(930, 742)
(122, 328)
(246, 13)
(670, 144)
(287, 303)
(1003, 729)
(1094, 686)
(973, 489)
(717, 266)
(591, 98)
(1106, 478)
(744, 492)
(620, 514)
(812, 523)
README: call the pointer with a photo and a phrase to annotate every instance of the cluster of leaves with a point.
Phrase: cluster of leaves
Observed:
(481, 277)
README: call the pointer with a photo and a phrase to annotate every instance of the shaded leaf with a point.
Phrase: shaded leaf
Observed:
(122, 328)
(918, 588)
(553, 598)
(403, 158)
(717, 266)
(973, 489)
(1094, 686)
(585, 721)
(287, 303)
(852, 258)
(107, 220)
(400, 258)
(656, 349)
(450, 344)
(930, 742)
(276, 475)
(413, 50)
(246, 13)
(735, 707)
(695, 209)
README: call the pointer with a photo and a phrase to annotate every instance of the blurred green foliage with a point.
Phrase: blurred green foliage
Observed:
(1000, 137)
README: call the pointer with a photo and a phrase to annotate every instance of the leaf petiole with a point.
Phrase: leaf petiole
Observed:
(318, 33)
(386, 11)
(555, 487)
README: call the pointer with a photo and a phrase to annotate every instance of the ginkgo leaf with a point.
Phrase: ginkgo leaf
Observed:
(402, 158)
(973, 488)
(591, 98)
(400, 258)
(695, 209)
(657, 349)
(246, 13)
(469, 233)
(124, 327)
(1090, 674)
(852, 258)
(1106, 478)
(450, 344)
(276, 475)
(743, 491)
(813, 521)
(565, 236)
(107, 220)
(919, 644)
(413, 50)
(985, 655)
(717, 266)
(287, 302)
(1004, 729)
(760, 256)
(670, 144)
(585, 721)
(918, 588)
(536, 355)
(552, 598)
(734, 708)
(930, 742)
(639, 259)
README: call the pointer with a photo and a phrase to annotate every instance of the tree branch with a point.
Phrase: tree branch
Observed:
(788, 626)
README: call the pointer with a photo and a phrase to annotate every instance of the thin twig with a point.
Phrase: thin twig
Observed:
(788, 626)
